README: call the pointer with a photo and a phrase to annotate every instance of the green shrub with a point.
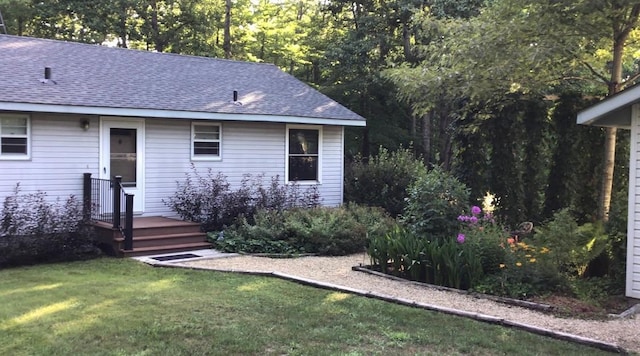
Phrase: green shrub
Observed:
(526, 270)
(210, 200)
(616, 252)
(383, 180)
(434, 202)
(320, 230)
(34, 229)
(486, 235)
(572, 247)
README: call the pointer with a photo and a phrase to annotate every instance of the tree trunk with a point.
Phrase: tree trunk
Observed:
(406, 44)
(426, 137)
(155, 28)
(226, 45)
(621, 29)
(414, 128)
(122, 26)
(604, 203)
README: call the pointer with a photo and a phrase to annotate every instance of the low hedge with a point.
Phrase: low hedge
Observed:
(17, 250)
(35, 228)
(322, 231)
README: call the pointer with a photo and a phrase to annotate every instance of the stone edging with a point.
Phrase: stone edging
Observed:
(411, 303)
(510, 301)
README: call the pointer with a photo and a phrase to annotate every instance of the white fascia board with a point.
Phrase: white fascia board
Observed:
(171, 114)
(613, 103)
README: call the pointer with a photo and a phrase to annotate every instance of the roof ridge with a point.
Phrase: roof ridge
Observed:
(138, 50)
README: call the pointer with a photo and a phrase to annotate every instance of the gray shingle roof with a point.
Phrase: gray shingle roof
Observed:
(99, 76)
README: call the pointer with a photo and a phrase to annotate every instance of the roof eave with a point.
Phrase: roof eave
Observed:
(614, 111)
(174, 114)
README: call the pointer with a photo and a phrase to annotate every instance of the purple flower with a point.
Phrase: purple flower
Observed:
(475, 210)
(473, 220)
(460, 238)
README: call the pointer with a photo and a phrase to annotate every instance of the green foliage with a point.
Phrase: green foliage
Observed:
(616, 251)
(324, 231)
(576, 160)
(434, 202)
(383, 180)
(210, 200)
(526, 270)
(486, 236)
(34, 229)
(594, 290)
(572, 246)
(439, 261)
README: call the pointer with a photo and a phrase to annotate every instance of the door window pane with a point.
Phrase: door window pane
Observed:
(123, 155)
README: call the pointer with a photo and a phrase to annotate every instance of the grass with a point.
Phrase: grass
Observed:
(122, 307)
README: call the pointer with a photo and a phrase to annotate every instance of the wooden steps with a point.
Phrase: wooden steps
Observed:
(154, 235)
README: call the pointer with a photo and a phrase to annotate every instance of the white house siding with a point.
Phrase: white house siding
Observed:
(247, 148)
(61, 151)
(633, 235)
(332, 165)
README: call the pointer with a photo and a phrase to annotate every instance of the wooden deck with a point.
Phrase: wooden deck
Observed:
(152, 235)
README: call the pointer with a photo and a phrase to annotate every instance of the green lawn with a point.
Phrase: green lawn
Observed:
(123, 307)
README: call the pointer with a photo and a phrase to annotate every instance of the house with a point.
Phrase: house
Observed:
(623, 111)
(68, 108)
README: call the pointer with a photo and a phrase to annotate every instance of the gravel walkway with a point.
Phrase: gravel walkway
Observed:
(337, 270)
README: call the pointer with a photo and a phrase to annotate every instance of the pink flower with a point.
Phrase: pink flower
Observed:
(460, 238)
(475, 210)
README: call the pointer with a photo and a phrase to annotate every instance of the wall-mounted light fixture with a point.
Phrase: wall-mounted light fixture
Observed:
(84, 123)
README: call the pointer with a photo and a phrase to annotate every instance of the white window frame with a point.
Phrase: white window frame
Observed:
(286, 154)
(202, 157)
(17, 156)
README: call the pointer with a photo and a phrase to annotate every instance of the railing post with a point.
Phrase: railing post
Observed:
(116, 201)
(128, 230)
(86, 197)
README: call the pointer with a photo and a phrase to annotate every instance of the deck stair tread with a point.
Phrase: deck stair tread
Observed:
(154, 235)
(166, 236)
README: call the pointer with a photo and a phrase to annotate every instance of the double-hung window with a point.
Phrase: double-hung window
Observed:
(206, 141)
(304, 144)
(15, 131)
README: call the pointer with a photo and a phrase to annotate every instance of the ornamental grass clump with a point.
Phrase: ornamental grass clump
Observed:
(450, 262)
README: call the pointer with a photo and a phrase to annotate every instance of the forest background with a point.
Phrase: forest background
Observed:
(486, 89)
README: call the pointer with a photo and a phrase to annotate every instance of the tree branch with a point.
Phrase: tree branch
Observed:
(594, 72)
(630, 80)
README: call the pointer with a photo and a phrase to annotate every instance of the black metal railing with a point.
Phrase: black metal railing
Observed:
(106, 200)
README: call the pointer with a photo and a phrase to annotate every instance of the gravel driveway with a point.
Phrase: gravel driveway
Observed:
(337, 270)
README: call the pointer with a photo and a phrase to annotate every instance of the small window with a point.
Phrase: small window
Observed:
(206, 141)
(303, 154)
(14, 136)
